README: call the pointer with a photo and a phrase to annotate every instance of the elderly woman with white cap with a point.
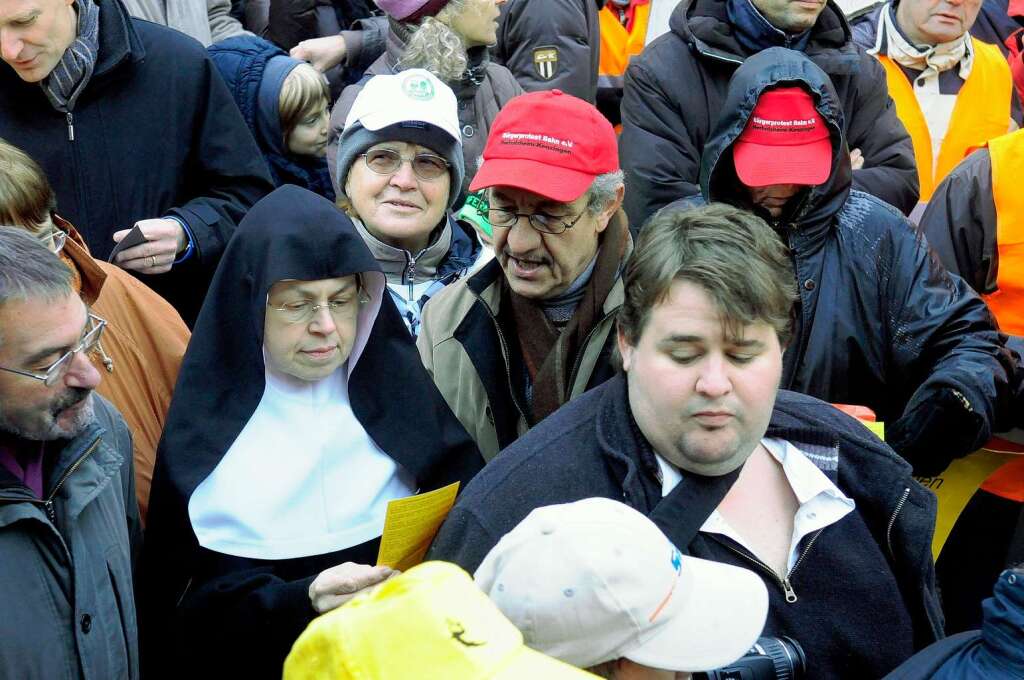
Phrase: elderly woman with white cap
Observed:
(399, 166)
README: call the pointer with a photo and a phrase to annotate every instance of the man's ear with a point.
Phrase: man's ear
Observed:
(625, 349)
(612, 207)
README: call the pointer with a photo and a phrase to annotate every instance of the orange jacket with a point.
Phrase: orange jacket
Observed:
(145, 338)
(981, 112)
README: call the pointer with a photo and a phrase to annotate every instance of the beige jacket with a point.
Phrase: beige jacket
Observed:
(466, 352)
(208, 22)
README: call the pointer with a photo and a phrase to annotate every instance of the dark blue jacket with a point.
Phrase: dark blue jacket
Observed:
(879, 321)
(591, 447)
(155, 134)
(996, 652)
(243, 63)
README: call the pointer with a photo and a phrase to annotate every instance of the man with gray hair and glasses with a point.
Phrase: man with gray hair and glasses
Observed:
(533, 328)
(69, 521)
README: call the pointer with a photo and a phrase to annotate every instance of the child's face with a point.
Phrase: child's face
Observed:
(309, 138)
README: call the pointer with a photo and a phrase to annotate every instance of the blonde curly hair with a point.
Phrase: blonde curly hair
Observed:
(435, 46)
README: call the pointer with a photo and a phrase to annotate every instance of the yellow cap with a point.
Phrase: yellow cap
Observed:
(431, 622)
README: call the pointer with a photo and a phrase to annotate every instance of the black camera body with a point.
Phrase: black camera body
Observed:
(770, 658)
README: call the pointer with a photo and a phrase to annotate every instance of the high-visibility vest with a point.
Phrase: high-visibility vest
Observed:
(618, 44)
(1007, 302)
(981, 112)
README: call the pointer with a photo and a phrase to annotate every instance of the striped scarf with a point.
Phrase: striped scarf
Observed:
(67, 80)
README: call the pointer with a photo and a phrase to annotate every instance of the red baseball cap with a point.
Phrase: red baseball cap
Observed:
(785, 141)
(549, 143)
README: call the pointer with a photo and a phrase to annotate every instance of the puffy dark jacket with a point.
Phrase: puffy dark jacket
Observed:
(242, 62)
(570, 27)
(880, 322)
(676, 88)
(155, 134)
(481, 94)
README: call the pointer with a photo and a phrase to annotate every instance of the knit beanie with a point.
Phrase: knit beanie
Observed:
(411, 11)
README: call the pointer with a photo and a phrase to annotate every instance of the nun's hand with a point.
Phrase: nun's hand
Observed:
(335, 586)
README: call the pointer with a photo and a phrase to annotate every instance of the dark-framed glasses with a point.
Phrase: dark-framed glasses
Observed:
(304, 311)
(549, 224)
(426, 166)
(58, 369)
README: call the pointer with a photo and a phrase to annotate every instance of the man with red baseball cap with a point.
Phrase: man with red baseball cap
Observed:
(531, 330)
(880, 323)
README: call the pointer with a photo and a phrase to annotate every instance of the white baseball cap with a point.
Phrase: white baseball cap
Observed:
(595, 580)
(413, 95)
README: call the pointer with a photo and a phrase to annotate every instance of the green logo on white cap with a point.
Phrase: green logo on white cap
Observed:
(418, 87)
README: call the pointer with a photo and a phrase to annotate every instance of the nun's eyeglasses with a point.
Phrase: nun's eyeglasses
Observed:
(304, 311)
(426, 166)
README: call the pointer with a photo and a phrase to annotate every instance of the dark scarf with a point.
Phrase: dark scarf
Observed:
(755, 33)
(67, 80)
(549, 355)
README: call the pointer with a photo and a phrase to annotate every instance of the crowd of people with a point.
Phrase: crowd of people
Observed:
(620, 269)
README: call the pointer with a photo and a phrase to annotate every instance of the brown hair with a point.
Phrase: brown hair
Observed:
(303, 93)
(26, 198)
(732, 254)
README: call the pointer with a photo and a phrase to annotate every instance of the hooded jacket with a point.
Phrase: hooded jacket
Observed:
(240, 615)
(676, 88)
(481, 93)
(879, 321)
(66, 572)
(243, 63)
(155, 134)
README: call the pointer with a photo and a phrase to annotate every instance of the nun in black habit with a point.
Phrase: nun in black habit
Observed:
(301, 409)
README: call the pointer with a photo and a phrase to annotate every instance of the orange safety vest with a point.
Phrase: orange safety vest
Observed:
(618, 44)
(1007, 302)
(981, 112)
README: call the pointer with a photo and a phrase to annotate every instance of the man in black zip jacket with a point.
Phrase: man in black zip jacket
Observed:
(675, 89)
(880, 322)
(134, 126)
(697, 436)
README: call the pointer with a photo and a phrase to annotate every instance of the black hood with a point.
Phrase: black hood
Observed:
(815, 210)
(294, 234)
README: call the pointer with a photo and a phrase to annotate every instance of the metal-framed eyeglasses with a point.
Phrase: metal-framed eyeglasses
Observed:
(548, 224)
(56, 371)
(304, 311)
(426, 166)
(54, 239)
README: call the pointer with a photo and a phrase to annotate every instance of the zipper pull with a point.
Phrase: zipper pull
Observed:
(788, 589)
(71, 127)
(50, 512)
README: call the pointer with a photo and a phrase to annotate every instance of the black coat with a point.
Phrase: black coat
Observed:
(570, 27)
(675, 90)
(880, 322)
(591, 447)
(239, 615)
(156, 133)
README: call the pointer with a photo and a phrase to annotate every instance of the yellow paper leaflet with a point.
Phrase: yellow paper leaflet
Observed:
(411, 524)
